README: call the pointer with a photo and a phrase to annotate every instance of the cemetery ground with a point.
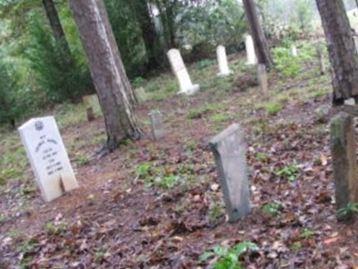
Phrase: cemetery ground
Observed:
(158, 204)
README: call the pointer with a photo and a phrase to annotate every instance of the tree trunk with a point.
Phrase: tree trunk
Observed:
(167, 18)
(342, 50)
(110, 79)
(260, 41)
(55, 23)
(149, 34)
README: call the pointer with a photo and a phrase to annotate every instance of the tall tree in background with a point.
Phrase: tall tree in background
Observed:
(150, 37)
(167, 12)
(342, 51)
(261, 46)
(56, 26)
(110, 79)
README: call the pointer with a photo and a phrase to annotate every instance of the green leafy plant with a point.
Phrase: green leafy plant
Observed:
(307, 233)
(273, 108)
(228, 258)
(55, 229)
(348, 211)
(217, 118)
(287, 65)
(289, 172)
(262, 157)
(204, 63)
(2, 218)
(296, 246)
(272, 209)
(167, 182)
(197, 113)
(215, 212)
(82, 160)
(143, 170)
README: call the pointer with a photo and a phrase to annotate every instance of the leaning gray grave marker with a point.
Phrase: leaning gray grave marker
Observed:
(344, 159)
(262, 77)
(229, 149)
(157, 127)
(48, 157)
(92, 105)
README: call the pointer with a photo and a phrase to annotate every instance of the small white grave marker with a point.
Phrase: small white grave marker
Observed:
(250, 51)
(48, 157)
(229, 149)
(294, 51)
(180, 71)
(222, 60)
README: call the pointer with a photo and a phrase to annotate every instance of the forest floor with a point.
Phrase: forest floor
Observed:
(158, 204)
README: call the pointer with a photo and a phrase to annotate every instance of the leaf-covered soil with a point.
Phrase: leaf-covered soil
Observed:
(158, 204)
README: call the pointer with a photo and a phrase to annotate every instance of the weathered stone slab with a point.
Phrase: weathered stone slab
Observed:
(262, 78)
(229, 149)
(250, 50)
(48, 157)
(322, 65)
(141, 94)
(157, 126)
(343, 147)
(224, 69)
(180, 71)
(92, 101)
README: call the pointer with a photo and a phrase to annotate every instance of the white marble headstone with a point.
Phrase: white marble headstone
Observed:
(250, 51)
(48, 157)
(224, 69)
(294, 51)
(180, 71)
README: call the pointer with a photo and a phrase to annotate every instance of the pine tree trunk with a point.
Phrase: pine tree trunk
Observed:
(56, 26)
(149, 34)
(110, 79)
(260, 41)
(342, 51)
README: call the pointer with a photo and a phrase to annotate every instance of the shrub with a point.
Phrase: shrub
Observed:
(10, 110)
(287, 65)
(58, 74)
(228, 257)
(273, 108)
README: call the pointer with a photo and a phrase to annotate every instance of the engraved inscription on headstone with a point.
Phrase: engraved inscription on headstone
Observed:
(48, 157)
(180, 71)
(229, 149)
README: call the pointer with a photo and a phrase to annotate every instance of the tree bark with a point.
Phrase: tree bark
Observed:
(149, 33)
(260, 41)
(107, 70)
(56, 26)
(342, 50)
